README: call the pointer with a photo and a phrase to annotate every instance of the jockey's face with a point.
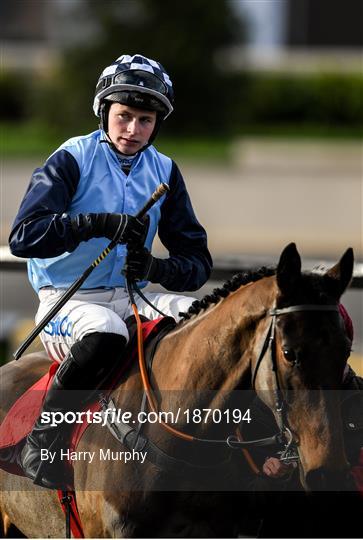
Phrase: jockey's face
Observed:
(130, 129)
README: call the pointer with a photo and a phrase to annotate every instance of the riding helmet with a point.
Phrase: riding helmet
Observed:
(135, 81)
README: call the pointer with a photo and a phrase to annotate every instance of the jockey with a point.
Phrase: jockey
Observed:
(85, 195)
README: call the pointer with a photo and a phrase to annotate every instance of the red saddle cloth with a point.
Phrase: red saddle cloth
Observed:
(22, 416)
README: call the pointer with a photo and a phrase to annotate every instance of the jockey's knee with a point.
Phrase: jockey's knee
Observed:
(98, 349)
(91, 360)
(98, 354)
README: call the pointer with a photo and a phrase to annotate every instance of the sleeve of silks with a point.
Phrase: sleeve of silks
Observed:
(42, 227)
(189, 264)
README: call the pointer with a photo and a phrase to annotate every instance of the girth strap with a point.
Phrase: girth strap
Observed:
(69, 507)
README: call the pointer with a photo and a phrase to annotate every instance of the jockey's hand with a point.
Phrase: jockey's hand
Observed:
(274, 468)
(122, 228)
(140, 264)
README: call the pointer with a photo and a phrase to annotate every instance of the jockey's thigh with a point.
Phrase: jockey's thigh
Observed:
(168, 303)
(87, 312)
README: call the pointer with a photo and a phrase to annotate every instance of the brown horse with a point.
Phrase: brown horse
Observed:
(279, 332)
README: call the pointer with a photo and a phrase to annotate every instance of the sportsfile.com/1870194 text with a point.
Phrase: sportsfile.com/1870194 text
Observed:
(113, 415)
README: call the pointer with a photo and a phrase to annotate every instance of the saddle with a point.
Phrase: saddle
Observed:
(21, 417)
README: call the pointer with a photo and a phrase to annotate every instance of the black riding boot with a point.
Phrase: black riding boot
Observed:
(81, 373)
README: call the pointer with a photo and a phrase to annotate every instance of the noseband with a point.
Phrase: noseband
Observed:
(289, 453)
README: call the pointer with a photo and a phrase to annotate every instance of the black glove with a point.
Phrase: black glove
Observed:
(140, 264)
(122, 228)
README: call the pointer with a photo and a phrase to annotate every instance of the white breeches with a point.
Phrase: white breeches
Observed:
(98, 310)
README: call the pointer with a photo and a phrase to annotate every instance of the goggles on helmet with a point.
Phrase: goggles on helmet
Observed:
(139, 78)
(134, 80)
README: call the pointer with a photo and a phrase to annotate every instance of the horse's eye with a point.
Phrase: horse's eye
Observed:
(290, 355)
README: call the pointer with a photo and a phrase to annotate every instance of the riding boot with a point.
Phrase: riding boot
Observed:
(46, 440)
(83, 372)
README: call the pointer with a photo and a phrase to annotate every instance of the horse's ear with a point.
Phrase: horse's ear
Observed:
(342, 272)
(288, 269)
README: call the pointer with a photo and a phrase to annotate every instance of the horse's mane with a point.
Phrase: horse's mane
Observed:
(242, 278)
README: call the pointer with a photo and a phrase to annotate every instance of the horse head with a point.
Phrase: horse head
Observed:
(308, 352)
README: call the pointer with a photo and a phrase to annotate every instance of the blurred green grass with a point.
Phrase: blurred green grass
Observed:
(27, 140)
(31, 140)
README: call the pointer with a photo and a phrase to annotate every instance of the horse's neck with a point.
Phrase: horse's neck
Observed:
(207, 352)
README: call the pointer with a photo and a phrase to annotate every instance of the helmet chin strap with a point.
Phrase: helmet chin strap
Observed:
(105, 107)
(113, 147)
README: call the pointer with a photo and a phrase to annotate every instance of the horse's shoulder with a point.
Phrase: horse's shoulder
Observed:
(18, 375)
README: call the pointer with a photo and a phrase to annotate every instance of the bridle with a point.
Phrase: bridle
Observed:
(289, 453)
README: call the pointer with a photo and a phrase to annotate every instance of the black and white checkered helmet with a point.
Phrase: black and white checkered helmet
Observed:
(137, 76)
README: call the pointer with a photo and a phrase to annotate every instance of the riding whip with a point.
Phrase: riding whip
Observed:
(158, 193)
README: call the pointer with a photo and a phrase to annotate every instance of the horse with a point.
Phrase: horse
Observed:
(276, 333)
